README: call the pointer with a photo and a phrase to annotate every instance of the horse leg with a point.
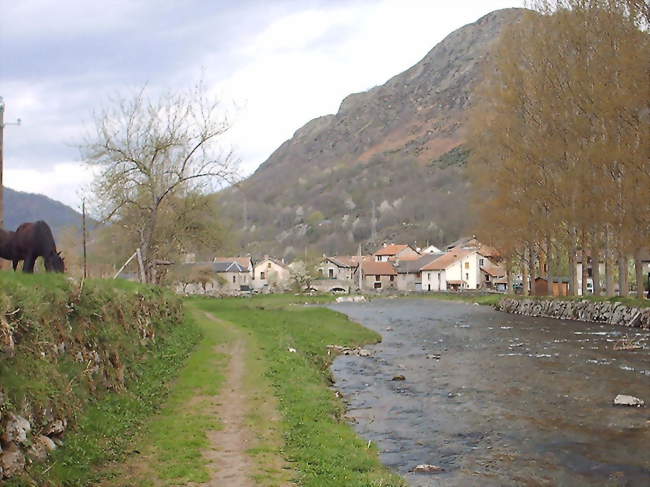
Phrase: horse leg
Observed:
(15, 264)
(28, 266)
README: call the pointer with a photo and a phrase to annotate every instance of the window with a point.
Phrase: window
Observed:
(392, 278)
(331, 273)
(378, 285)
(262, 275)
(268, 266)
(377, 277)
(233, 279)
(466, 265)
(481, 262)
(467, 276)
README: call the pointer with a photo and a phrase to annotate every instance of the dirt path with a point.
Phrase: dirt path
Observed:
(230, 463)
(247, 410)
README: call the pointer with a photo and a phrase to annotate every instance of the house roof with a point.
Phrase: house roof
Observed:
(347, 260)
(494, 270)
(242, 261)
(393, 249)
(231, 266)
(446, 260)
(378, 268)
(468, 243)
(413, 266)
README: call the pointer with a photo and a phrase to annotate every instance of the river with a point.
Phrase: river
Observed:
(511, 400)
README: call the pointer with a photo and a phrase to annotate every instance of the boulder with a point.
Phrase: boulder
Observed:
(56, 427)
(399, 377)
(16, 429)
(12, 461)
(40, 448)
(631, 401)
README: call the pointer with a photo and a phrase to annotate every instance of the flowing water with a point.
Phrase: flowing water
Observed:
(512, 400)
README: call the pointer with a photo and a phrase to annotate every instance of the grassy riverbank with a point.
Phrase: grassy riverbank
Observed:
(320, 446)
(97, 356)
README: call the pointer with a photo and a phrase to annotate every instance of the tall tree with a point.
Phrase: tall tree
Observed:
(150, 153)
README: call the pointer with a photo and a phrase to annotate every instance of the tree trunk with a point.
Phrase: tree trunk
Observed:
(609, 268)
(549, 272)
(531, 269)
(622, 275)
(524, 275)
(585, 266)
(595, 267)
(573, 271)
(510, 290)
(638, 268)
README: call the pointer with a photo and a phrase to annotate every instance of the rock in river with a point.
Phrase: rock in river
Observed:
(624, 400)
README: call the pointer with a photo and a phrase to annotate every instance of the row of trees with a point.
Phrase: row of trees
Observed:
(559, 139)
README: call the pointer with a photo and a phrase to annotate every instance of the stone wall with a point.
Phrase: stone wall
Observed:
(64, 344)
(613, 313)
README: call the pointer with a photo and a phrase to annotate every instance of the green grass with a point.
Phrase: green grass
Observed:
(322, 447)
(105, 429)
(173, 441)
(483, 299)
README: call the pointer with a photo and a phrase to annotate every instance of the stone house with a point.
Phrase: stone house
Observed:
(409, 275)
(270, 274)
(378, 276)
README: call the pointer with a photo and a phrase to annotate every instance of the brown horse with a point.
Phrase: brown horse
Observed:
(28, 242)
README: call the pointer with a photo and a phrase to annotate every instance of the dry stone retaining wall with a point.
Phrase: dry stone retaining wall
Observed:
(613, 313)
(55, 333)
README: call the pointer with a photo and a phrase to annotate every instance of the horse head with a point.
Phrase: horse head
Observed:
(54, 262)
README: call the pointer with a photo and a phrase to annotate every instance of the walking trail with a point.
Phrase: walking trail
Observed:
(249, 418)
(244, 449)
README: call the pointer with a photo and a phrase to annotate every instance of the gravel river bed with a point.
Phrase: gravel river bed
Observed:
(511, 400)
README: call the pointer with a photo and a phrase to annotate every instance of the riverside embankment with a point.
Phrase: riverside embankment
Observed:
(81, 366)
(511, 400)
(609, 312)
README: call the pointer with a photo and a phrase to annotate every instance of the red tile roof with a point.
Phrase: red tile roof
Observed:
(446, 260)
(378, 268)
(392, 249)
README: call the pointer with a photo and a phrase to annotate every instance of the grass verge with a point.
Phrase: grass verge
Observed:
(322, 447)
(105, 429)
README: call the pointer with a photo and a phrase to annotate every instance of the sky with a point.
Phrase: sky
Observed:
(280, 63)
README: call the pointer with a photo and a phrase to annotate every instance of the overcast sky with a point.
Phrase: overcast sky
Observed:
(282, 62)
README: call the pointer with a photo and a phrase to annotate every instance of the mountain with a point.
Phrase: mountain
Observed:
(388, 165)
(23, 207)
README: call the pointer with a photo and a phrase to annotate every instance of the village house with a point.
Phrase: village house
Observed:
(444, 273)
(378, 276)
(340, 267)
(270, 275)
(222, 277)
(409, 275)
(493, 276)
(394, 252)
(456, 270)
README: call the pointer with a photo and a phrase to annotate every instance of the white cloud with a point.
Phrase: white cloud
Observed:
(62, 182)
(283, 67)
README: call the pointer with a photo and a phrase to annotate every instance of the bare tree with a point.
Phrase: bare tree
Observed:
(151, 150)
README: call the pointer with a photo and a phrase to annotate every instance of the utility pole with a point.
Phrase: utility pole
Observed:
(373, 224)
(2, 191)
(83, 229)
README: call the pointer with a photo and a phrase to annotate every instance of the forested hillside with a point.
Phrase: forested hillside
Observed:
(389, 165)
(27, 207)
